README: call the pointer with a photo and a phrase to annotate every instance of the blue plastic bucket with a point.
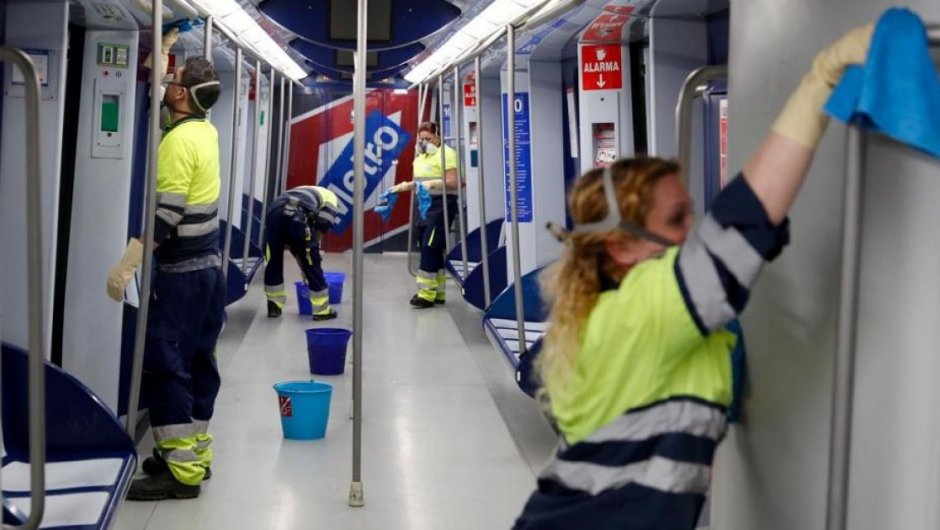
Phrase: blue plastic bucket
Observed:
(303, 298)
(305, 409)
(326, 350)
(335, 280)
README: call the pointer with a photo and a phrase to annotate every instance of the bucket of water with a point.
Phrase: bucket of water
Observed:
(335, 280)
(326, 350)
(303, 298)
(305, 409)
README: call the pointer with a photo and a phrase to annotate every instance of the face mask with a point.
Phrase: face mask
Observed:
(430, 148)
(422, 146)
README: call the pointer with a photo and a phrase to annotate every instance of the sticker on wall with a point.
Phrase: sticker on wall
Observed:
(605, 144)
(723, 140)
(523, 157)
(601, 67)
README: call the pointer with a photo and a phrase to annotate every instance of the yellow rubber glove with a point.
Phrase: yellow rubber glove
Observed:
(434, 185)
(169, 39)
(802, 118)
(122, 273)
(402, 187)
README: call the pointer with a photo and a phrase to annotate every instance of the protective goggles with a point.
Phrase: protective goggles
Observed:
(613, 221)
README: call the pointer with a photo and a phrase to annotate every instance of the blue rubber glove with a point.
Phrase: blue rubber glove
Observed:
(424, 200)
(388, 200)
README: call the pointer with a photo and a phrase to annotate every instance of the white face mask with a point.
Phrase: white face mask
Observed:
(430, 149)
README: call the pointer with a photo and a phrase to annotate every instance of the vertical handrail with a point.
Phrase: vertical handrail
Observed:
(440, 130)
(457, 123)
(37, 376)
(484, 246)
(422, 96)
(146, 270)
(207, 38)
(684, 113)
(280, 136)
(267, 165)
(256, 127)
(356, 497)
(233, 165)
(843, 373)
(287, 134)
(513, 185)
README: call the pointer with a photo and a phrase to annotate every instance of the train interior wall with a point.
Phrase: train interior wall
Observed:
(771, 472)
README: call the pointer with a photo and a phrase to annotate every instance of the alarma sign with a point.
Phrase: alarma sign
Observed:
(601, 67)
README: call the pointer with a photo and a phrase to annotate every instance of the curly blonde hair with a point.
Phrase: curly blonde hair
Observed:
(573, 284)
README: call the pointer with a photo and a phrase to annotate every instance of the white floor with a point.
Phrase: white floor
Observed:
(437, 452)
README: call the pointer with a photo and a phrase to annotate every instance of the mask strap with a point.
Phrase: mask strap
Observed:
(194, 91)
(614, 220)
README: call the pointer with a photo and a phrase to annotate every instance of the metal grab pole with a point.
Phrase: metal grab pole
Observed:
(457, 123)
(267, 165)
(256, 127)
(233, 165)
(684, 113)
(290, 114)
(422, 97)
(37, 376)
(484, 245)
(440, 129)
(356, 497)
(280, 137)
(207, 38)
(150, 212)
(841, 421)
(513, 185)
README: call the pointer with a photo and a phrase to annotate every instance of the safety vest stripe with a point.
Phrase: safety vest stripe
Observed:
(211, 208)
(169, 216)
(708, 298)
(728, 245)
(165, 198)
(197, 229)
(677, 446)
(676, 415)
(658, 473)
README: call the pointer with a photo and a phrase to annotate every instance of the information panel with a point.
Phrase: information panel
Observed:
(523, 157)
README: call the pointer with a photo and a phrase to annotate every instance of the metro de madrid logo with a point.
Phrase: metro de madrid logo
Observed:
(385, 141)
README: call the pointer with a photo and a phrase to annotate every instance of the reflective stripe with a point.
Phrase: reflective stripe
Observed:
(171, 199)
(192, 209)
(180, 455)
(320, 300)
(327, 216)
(658, 473)
(198, 229)
(209, 261)
(171, 217)
(175, 431)
(705, 288)
(670, 417)
(427, 279)
(730, 246)
(202, 426)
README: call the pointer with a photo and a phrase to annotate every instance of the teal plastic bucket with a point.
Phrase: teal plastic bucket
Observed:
(305, 409)
(335, 280)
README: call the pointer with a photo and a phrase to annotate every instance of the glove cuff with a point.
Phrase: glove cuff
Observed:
(802, 118)
(133, 254)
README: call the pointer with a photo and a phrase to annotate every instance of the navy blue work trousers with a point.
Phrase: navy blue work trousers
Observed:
(292, 232)
(181, 378)
(433, 237)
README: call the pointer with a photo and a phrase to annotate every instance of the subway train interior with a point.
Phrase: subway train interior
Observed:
(160, 158)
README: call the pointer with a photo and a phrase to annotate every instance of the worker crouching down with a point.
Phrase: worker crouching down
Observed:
(187, 302)
(295, 221)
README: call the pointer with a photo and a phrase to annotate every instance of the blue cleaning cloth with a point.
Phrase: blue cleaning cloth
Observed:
(897, 91)
(385, 210)
(424, 200)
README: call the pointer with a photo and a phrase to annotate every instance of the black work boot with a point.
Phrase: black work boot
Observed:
(326, 316)
(155, 465)
(159, 487)
(420, 303)
(274, 311)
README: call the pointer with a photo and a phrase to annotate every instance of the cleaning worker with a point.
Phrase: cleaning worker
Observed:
(636, 366)
(295, 221)
(431, 175)
(187, 302)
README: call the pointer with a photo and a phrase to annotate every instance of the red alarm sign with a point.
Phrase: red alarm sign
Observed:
(601, 67)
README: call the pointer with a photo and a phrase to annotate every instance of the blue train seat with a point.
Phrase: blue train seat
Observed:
(90, 460)
(240, 271)
(502, 329)
(472, 288)
(474, 254)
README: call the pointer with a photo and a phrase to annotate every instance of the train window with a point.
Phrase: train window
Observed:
(343, 20)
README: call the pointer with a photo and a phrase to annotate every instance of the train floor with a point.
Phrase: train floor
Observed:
(449, 442)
